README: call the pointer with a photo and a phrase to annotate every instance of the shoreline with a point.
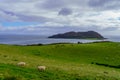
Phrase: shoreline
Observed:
(40, 44)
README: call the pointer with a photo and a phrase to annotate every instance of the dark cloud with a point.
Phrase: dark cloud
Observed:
(57, 4)
(52, 4)
(104, 4)
(7, 16)
(65, 11)
(26, 18)
(30, 18)
(82, 5)
(16, 1)
(7, 12)
(97, 3)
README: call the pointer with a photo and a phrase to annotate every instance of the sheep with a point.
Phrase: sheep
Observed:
(21, 64)
(41, 68)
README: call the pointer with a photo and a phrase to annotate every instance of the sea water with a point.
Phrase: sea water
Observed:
(37, 39)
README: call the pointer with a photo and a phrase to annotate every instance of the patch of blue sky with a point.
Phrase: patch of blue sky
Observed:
(18, 24)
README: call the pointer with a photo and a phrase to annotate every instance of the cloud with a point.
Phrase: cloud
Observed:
(16, 1)
(7, 17)
(29, 18)
(1, 26)
(65, 11)
(52, 4)
(60, 15)
(104, 4)
(21, 17)
(7, 12)
(98, 3)
(49, 30)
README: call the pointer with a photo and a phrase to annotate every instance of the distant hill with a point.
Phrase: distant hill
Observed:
(79, 35)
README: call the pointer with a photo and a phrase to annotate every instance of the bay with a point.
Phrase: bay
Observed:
(37, 39)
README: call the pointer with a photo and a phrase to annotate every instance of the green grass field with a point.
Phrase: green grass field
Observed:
(63, 62)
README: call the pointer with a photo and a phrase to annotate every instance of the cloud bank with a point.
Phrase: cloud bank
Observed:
(51, 16)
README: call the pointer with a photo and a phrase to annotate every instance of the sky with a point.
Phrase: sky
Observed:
(46, 17)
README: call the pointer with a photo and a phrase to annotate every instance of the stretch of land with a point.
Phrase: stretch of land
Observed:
(90, 61)
(78, 35)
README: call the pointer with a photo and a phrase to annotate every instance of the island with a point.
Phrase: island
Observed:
(78, 35)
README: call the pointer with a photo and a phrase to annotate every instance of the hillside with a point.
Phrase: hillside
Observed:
(79, 35)
(63, 62)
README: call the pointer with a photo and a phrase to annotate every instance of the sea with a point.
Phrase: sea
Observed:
(37, 39)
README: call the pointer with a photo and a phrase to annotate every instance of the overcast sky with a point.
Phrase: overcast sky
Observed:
(47, 17)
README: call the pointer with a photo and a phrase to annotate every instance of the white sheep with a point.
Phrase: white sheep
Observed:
(41, 68)
(21, 64)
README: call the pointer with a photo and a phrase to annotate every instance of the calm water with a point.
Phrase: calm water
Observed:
(35, 39)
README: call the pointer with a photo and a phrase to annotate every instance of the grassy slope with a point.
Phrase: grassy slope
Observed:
(63, 61)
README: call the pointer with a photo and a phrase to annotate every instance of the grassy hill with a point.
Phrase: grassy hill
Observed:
(92, 61)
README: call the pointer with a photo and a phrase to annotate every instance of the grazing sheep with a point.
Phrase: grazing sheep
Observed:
(41, 68)
(21, 64)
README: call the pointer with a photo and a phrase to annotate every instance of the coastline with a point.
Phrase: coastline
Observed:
(29, 40)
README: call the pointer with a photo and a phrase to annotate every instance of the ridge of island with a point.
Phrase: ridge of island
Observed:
(78, 35)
